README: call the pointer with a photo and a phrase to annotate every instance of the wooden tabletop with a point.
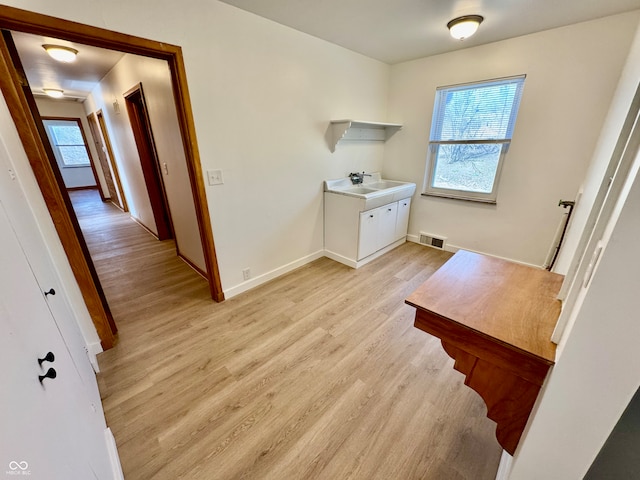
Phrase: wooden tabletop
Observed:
(508, 302)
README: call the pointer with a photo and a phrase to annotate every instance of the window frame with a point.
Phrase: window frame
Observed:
(49, 123)
(434, 145)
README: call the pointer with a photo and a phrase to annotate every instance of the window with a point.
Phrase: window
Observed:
(68, 140)
(471, 131)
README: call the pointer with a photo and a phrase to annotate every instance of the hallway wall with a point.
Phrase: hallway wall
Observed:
(73, 109)
(572, 73)
(156, 82)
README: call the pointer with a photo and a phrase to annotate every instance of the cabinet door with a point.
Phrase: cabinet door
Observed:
(402, 222)
(387, 225)
(368, 233)
(49, 429)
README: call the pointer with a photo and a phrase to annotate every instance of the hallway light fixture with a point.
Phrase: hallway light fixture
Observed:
(60, 53)
(463, 27)
(53, 92)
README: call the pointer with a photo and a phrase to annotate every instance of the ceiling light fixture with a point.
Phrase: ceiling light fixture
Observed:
(60, 53)
(463, 27)
(53, 92)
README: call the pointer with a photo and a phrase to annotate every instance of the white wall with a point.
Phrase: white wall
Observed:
(616, 116)
(571, 76)
(76, 176)
(263, 95)
(270, 94)
(156, 83)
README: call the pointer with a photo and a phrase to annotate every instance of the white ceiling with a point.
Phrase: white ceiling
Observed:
(77, 79)
(393, 31)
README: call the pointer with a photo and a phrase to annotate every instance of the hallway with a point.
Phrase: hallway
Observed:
(317, 374)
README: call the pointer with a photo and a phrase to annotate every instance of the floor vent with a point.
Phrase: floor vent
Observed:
(432, 240)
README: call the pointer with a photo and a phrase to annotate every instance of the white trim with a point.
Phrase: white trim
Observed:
(265, 277)
(93, 349)
(114, 458)
(454, 248)
(340, 258)
(357, 264)
(504, 469)
(611, 188)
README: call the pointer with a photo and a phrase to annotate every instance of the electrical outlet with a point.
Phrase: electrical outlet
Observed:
(215, 177)
(246, 273)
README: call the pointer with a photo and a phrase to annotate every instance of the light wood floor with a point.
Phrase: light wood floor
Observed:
(319, 374)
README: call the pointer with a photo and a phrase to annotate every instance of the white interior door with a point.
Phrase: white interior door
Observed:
(48, 427)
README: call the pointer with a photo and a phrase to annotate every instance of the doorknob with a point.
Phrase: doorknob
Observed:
(50, 292)
(51, 373)
(49, 357)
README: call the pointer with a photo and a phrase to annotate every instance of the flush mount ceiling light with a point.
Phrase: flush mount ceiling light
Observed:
(53, 92)
(465, 26)
(60, 53)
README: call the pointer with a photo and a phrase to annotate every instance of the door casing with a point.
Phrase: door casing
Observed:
(143, 135)
(10, 84)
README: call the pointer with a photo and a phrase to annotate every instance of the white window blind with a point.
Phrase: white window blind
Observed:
(477, 111)
(471, 130)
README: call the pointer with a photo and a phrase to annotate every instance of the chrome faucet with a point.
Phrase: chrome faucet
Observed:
(358, 178)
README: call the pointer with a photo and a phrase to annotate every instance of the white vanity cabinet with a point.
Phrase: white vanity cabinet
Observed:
(355, 237)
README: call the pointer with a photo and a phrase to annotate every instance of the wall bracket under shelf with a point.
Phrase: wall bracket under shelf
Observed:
(357, 130)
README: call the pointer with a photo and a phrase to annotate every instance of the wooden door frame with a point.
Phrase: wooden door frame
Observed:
(10, 84)
(86, 146)
(46, 171)
(102, 125)
(94, 128)
(146, 146)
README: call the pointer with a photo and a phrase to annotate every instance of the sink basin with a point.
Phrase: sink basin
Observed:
(374, 192)
(385, 184)
(360, 190)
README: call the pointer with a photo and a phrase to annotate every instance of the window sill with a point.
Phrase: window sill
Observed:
(456, 197)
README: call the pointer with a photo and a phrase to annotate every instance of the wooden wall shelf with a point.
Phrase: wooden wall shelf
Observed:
(359, 130)
(495, 319)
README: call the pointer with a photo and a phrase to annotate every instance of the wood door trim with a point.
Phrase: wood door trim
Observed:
(111, 158)
(149, 162)
(103, 161)
(86, 146)
(22, 20)
(10, 84)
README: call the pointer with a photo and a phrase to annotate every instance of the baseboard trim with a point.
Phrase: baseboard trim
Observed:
(357, 264)
(84, 187)
(455, 248)
(139, 222)
(340, 259)
(504, 469)
(114, 458)
(93, 349)
(198, 270)
(265, 277)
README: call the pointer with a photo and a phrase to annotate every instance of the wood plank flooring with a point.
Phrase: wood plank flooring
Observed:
(318, 374)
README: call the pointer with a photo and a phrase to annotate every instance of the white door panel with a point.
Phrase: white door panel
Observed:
(47, 427)
(39, 259)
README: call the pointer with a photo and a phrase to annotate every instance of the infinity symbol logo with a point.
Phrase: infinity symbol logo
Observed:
(13, 465)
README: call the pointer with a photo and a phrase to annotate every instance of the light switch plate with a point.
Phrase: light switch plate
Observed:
(215, 177)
